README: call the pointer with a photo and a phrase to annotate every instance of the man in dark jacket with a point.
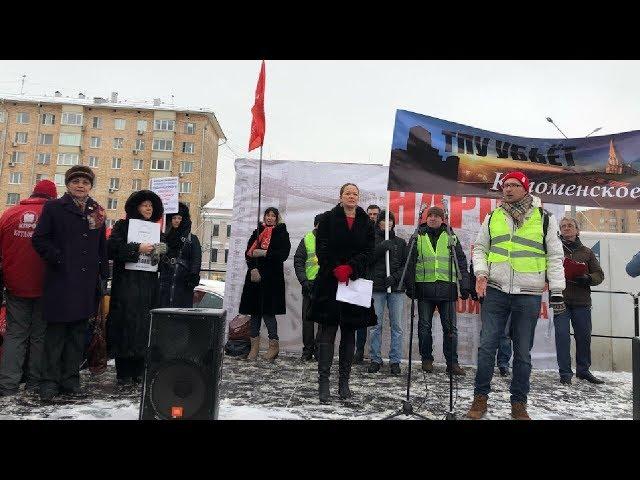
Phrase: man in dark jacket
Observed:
(305, 263)
(394, 299)
(427, 279)
(23, 271)
(577, 298)
(70, 238)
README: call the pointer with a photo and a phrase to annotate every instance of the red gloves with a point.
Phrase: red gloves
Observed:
(342, 273)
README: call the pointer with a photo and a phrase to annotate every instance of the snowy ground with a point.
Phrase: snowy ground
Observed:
(287, 389)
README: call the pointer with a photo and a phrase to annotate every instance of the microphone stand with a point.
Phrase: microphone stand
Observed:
(407, 407)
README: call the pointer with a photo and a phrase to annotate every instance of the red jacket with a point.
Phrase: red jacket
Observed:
(22, 267)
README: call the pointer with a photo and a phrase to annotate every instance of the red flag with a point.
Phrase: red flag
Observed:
(257, 123)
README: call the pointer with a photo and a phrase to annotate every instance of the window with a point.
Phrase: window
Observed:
(15, 178)
(68, 159)
(96, 142)
(110, 222)
(139, 144)
(164, 125)
(93, 162)
(114, 183)
(13, 198)
(21, 137)
(162, 145)
(71, 139)
(187, 147)
(141, 125)
(59, 179)
(97, 122)
(185, 187)
(45, 139)
(216, 230)
(44, 159)
(112, 204)
(186, 167)
(612, 228)
(601, 220)
(226, 255)
(22, 117)
(119, 123)
(2, 117)
(116, 162)
(228, 230)
(214, 255)
(137, 164)
(70, 118)
(48, 119)
(136, 184)
(18, 157)
(118, 143)
(40, 177)
(190, 128)
(160, 164)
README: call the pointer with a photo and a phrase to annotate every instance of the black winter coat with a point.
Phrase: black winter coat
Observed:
(397, 257)
(180, 273)
(134, 293)
(74, 248)
(337, 245)
(438, 290)
(267, 296)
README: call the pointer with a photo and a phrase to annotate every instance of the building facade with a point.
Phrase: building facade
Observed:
(216, 234)
(126, 144)
(607, 220)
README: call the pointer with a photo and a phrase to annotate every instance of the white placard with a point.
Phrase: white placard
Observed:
(357, 292)
(167, 188)
(141, 231)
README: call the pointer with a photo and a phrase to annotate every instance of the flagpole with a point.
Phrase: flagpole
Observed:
(259, 187)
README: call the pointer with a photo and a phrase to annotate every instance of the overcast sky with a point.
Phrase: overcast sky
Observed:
(343, 111)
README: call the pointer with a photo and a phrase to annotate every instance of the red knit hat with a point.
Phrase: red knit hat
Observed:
(46, 187)
(519, 176)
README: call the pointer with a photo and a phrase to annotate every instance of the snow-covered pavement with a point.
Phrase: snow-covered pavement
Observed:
(287, 389)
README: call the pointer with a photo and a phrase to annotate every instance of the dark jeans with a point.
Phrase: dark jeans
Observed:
(361, 338)
(425, 322)
(524, 311)
(129, 367)
(327, 334)
(308, 327)
(504, 348)
(63, 352)
(269, 321)
(25, 326)
(580, 318)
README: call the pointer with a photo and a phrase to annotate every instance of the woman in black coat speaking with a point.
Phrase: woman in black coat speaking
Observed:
(345, 243)
(263, 292)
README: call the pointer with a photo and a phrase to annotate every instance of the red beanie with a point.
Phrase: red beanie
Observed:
(519, 176)
(46, 187)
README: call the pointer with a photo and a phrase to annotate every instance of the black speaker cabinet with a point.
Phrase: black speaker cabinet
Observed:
(183, 364)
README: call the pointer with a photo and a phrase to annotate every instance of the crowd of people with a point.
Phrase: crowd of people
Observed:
(520, 251)
(55, 264)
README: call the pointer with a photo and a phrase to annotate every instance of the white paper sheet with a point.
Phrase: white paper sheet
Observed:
(357, 292)
(141, 231)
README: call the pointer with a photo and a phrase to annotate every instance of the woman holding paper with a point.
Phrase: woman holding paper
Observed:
(135, 284)
(344, 245)
(263, 292)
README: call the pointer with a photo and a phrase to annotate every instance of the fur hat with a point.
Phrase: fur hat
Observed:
(435, 211)
(79, 171)
(136, 198)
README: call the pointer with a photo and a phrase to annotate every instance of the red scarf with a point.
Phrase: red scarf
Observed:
(263, 241)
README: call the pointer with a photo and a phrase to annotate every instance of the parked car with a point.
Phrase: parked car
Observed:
(209, 294)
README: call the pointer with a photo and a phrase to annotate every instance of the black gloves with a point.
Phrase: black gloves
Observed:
(386, 244)
(389, 281)
(556, 302)
(583, 280)
(465, 293)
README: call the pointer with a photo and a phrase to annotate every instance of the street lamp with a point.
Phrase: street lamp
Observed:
(553, 123)
(596, 130)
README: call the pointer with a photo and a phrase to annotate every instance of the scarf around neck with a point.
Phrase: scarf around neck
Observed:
(263, 240)
(517, 210)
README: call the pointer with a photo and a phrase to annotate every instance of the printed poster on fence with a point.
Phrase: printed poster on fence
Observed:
(168, 189)
(437, 156)
(141, 231)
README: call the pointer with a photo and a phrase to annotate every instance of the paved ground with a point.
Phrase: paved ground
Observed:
(287, 389)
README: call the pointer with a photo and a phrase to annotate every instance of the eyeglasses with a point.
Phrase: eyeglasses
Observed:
(511, 185)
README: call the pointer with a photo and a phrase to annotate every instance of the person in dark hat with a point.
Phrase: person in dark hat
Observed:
(134, 293)
(180, 267)
(263, 292)
(70, 238)
(23, 272)
(305, 264)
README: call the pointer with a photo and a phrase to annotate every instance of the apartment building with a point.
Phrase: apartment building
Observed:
(216, 234)
(126, 144)
(607, 220)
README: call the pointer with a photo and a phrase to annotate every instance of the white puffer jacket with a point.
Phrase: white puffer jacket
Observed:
(502, 277)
